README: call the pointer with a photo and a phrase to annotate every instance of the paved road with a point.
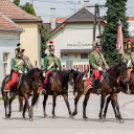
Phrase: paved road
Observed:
(63, 124)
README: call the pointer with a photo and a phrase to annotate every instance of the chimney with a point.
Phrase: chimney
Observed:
(53, 21)
(86, 3)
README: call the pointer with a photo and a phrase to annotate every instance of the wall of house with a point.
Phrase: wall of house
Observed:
(8, 41)
(74, 36)
(30, 40)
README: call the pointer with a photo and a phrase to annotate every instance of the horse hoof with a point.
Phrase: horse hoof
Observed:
(30, 119)
(104, 116)
(86, 119)
(121, 121)
(23, 118)
(54, 116)
(101, 120)
(70, 116)
(20, 110)
(45, 116)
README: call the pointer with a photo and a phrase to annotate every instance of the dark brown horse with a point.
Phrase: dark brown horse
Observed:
(31, 81)
(107, 86)
(114, 95)
(59, 86)
(5, 96)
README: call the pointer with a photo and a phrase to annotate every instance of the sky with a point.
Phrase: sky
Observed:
(65, 8)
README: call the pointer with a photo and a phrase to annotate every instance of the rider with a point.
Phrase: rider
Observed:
(127, 57)
(18, 67)
(51, 62)
(97, 63)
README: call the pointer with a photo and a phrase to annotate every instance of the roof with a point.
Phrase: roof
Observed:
(82, 15)
(14, 12)
(7, 24)
(60, 20)
(130, 18)
(76, 50)
(49, 27)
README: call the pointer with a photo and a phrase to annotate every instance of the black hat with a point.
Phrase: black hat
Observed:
(19, 50)
(97, 44)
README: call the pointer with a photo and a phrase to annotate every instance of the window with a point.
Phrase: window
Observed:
(84, 56)
(65, 56)
(6, 63)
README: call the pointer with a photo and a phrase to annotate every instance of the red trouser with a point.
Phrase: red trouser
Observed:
(12, 82)
(46, 76)
(129, 76)
(96, 74)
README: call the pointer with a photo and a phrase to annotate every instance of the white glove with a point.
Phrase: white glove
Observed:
(88, 76)
(100, 69)
(107, 67)
(20, 72)
(44, 74)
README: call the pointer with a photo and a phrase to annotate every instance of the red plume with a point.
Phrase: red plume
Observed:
(128, 40)
(51, 42)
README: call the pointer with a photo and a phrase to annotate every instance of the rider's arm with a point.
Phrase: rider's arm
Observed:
(45, 63)
(13, 66)
(92, 61)
(59, 63)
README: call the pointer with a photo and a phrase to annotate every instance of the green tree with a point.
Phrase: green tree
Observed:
(17, 2)
(116, 11)
(44, 39)
(28, 7)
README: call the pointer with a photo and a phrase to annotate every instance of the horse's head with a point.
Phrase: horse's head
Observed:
(122, 72)
(36, 76)
(71, 80)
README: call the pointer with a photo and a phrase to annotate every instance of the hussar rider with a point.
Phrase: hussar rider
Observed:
(51, 62)
(17, 68)
(128, 57)
(96, 64)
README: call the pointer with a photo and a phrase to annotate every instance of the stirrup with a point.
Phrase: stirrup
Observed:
(99, 91)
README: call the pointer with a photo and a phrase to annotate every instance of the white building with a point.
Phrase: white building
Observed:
(73, 38)
(9, 38)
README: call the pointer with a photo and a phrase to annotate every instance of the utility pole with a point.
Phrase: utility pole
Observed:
(97, 18)
(74, 4)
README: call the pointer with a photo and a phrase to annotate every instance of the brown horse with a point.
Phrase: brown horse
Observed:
(31, 81)
(107, 86)
(5, 96)
(59, 86)
(114, 95)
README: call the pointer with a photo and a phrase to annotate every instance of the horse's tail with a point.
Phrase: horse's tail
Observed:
(2, 92)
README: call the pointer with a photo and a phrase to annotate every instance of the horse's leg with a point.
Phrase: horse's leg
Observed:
(75, 103)
(5, 97)
(106, 107)
(65, 96)
(85, 105)
(24, 110)
(44, 105)
(113, 105)
(10, 102)
(54, 104)
(101, 106)
(34, 101)
(21, 103)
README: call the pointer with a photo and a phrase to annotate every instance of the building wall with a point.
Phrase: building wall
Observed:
(8, 41)
(30, 40)
(74, 36)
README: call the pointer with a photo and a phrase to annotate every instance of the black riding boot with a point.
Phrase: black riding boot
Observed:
(11, 91)
(97, 87)
(44, 89)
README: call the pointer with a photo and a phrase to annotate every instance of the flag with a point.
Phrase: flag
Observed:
(120, 44)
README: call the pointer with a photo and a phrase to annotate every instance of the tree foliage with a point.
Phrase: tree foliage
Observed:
(116, 11)
(28, 7)
(45, 38)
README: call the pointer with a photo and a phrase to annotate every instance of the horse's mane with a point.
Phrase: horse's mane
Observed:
(113, 67)
(64, 74)
(77, 74)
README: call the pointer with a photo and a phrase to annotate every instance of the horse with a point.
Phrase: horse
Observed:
(107, 85)
(112, 96)
(5, 96)
(59, 86)
(31, 81)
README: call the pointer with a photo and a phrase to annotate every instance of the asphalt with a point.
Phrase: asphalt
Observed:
(62, 124)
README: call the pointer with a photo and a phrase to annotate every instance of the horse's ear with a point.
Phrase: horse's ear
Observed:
(72, 70)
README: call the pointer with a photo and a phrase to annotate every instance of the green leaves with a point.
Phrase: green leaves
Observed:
(116, 11)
